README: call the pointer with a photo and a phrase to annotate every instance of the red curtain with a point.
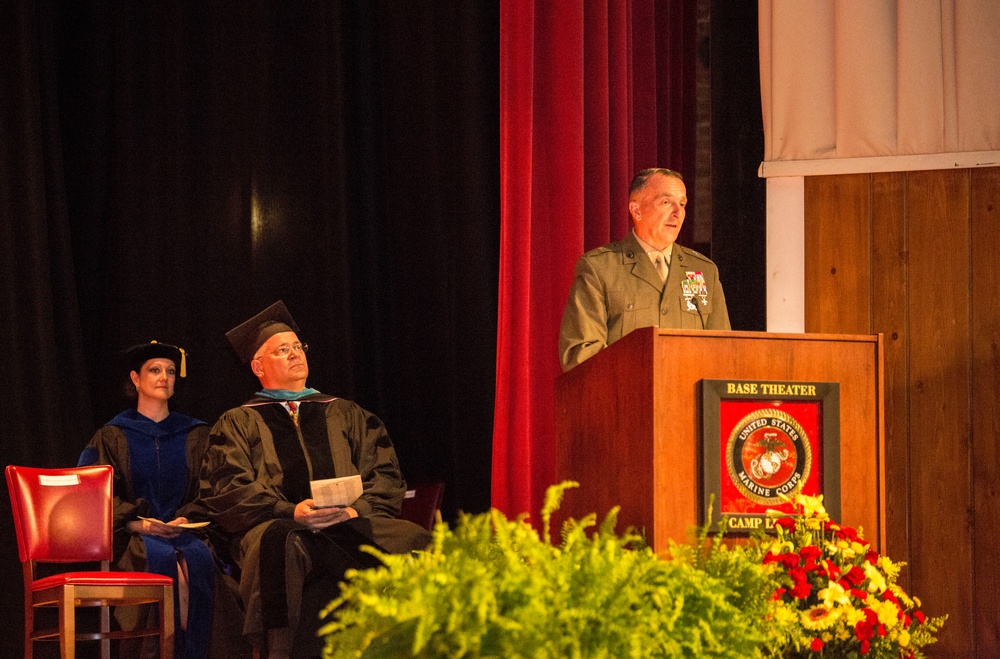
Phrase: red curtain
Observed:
(590, 93)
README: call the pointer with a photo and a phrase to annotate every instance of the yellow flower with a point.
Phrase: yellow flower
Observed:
(887, 612)
(891, 569)
(811, 506)
(846, 549)
(903, 638)
(901, 596)
(854, 616)
(819, 617)
(834, 594)
(876, 582)
(782, 547)
(784, 615)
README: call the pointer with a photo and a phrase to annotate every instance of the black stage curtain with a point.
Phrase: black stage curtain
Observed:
(167, 169)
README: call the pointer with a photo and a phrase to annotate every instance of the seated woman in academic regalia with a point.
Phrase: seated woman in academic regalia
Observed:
(157, 456)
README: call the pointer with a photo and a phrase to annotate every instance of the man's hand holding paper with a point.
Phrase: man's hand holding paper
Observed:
(330, 503)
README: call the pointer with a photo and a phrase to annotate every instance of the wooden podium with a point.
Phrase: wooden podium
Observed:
(629, 422)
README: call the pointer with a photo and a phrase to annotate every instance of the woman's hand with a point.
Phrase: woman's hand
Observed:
(156, 528)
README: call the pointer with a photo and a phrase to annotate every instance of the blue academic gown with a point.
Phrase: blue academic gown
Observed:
(156, 475)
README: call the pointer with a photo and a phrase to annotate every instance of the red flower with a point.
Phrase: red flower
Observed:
(811, 553)
(786, 523)
(865, 629)
(802, 587)
(872, 556)
(858, 594)
(787, 561)
(778, 593)
(865, 646)
(919, 615)
(854, 576)
(846, 533)
(798, 574)
(802, 590)
(817, 644)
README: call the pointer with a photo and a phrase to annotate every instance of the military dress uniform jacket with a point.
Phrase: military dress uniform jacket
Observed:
(616, 290)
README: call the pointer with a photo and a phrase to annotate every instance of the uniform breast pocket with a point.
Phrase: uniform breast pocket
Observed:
(628, 311)
(694, 314)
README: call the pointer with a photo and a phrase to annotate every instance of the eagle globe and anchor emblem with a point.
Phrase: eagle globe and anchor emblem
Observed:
(768, 454)
(769, 462)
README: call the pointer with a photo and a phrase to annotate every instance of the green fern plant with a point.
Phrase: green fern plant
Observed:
(492, 587)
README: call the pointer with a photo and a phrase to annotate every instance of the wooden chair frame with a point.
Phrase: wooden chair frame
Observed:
(65, 516)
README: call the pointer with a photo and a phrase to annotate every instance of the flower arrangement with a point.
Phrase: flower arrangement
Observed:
(494, 587)
(835, 595)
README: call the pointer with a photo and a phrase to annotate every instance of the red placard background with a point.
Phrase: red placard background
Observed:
(808, 414)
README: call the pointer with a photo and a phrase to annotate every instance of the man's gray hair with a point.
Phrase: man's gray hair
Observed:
(639, 181)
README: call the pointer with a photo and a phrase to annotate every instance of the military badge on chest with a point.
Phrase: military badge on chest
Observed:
(694, 288)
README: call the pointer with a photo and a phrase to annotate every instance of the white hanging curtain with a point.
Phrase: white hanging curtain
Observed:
(875, 78)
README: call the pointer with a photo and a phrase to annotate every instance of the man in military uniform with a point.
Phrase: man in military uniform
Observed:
(643, 280)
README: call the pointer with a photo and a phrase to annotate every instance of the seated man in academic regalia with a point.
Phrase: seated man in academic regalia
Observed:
(256, 482)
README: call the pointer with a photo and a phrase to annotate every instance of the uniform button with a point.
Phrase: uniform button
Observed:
(629, 307)
(663, 311)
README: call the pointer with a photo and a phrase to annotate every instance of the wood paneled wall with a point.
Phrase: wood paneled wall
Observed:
(916, 256)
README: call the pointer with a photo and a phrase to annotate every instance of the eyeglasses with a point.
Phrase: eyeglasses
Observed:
(284, 351)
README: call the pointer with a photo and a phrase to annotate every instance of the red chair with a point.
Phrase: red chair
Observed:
(421, 504)
(64, 516)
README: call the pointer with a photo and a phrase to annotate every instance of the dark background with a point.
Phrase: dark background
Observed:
(198, 161)
(169, 169)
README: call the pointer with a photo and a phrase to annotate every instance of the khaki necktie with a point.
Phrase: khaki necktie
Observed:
(661, 267)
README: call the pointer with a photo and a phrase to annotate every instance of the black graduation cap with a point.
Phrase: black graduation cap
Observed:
(247, 337)
(138, 355)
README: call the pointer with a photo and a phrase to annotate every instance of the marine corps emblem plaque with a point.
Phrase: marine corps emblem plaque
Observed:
(762, 441)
